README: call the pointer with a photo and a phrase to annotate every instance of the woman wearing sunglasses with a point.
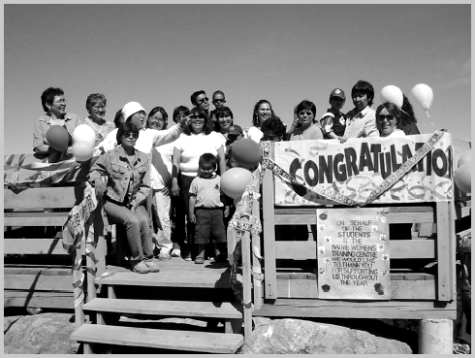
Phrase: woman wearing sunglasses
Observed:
(387, 120)
(197, 139)
(121, 177)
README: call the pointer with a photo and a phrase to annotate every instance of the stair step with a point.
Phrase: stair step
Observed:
(158, 338)
(204, 279)
(164, 308)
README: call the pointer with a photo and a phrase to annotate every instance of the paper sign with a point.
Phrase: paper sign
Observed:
(353, 254)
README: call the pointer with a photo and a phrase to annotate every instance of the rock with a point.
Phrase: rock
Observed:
(292, 336)
(42, 333)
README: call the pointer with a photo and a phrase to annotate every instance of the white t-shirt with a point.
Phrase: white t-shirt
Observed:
(193, 146)
(166, 152)
(396, 133)
(255, 134)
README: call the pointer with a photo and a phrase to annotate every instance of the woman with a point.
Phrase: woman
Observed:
(96, 109)
(54, 105)
(224, 120)
(122, 178)
(199, 139)
(262, 111)
(160, 181)
(303, 126)
(387, 120)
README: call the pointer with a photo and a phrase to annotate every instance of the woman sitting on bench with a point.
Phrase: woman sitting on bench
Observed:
(122, 178)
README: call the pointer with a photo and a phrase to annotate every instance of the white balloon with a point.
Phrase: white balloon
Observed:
(82, 151)
(83, 133)
(424, 95)
(392, 94)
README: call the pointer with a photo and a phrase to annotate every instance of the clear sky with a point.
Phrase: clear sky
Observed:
(159, 54)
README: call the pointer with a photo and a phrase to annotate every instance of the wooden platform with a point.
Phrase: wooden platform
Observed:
(175, 272)
(159, 338)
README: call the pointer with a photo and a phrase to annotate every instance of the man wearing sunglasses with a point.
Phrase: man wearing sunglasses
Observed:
(219, 101)
(200, 100)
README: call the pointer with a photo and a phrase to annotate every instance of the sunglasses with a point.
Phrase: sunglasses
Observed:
(201, 100)
(131, 134)
(222, 100)
(382, 117)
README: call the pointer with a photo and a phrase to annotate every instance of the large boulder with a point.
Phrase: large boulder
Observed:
(41, 333)
(293, 336)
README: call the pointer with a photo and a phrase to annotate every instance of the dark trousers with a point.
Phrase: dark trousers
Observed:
(183, 205)
(209, 224)
(137, 227)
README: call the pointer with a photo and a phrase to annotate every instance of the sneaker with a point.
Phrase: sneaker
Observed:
(176, 252)
(188, 257)
(152, 264)
(141, 267)
(199, 260)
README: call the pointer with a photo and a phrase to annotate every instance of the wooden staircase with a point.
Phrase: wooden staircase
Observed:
(181, 289)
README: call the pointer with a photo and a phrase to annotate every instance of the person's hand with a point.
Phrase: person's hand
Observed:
(227, 211)
(100, 187)
(175, 188)
(342, 139)
(294, 124)
(192, 218)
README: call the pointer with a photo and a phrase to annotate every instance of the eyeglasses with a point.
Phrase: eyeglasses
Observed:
(132, 134)
(201, 100)
(222, 100)
(382, 117)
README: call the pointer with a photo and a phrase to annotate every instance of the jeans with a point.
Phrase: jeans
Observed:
(137, 227)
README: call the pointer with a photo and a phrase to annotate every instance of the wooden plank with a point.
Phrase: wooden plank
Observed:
(246, 283)
(159, 338)
(444, 237)
(403, 287)
(200, 309)
(356, 309)
(33, 246)
(39, 279)
(35, 218)
(399, 249)
(270, 281)
(396, 214)
(210, 278)
(41, 299)
(40, 198)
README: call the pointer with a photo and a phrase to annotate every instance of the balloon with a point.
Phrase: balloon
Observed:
(392, 94)
(424, 95)
(84, 134)
(234, 182)
(58, 138)
(462, 178)
(82, 151)
(245, 153)
(465, 158)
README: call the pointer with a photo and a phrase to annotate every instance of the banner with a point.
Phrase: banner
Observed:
(357, 168)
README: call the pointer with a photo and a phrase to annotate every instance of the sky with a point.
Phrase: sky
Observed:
(159, 54)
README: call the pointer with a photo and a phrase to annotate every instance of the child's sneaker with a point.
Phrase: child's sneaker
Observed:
(188, 257)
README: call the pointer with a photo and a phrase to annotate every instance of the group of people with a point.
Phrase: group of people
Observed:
(161, 183)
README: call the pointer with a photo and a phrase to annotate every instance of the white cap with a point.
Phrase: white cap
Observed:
(131, 108)
(328, 114)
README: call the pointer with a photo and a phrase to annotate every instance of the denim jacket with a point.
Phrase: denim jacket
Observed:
(119, 173)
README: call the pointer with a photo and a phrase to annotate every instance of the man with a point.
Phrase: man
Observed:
(54, 105)
(333, 122)
(200, 100)
(361, 120)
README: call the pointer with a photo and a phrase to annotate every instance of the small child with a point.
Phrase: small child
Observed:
(206, 209)
(333, 122)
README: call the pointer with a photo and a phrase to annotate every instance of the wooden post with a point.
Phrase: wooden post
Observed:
(256, 249)
(78, 282)
(445, 239)
(435, 336)
(246, 283)
(270, 270)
